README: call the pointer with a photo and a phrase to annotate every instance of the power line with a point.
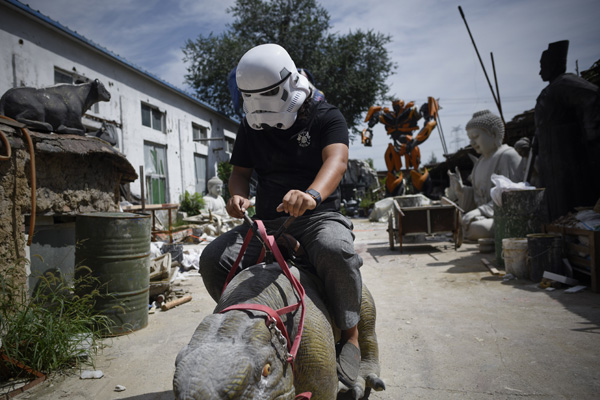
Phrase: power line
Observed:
(480, 100)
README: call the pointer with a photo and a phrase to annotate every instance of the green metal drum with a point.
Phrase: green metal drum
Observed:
(522, 212)
(116, 247)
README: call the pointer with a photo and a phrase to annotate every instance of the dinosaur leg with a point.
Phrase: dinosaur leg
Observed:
(369, 366)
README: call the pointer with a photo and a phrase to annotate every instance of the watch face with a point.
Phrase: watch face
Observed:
(315, 195)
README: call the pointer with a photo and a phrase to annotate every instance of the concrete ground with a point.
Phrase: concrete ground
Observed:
(447, 328)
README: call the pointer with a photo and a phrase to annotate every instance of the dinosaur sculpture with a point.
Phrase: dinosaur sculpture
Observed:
(236, 355)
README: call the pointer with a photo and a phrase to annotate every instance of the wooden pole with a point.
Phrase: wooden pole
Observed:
(175, 303)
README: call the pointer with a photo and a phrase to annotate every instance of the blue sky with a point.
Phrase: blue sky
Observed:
(430, 44)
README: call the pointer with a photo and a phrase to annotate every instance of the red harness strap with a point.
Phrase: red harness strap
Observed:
(274, 315)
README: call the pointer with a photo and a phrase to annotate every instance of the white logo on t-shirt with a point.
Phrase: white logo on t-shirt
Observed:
(303, 139)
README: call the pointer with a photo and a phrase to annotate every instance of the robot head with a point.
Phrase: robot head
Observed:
(272, 89)
(398, 105)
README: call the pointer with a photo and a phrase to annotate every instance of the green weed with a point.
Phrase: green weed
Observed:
(191, 203)
(56, 328)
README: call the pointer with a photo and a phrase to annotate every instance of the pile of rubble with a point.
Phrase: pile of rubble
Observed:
(172, 262)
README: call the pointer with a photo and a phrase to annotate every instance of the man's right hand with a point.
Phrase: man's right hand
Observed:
(237, 206)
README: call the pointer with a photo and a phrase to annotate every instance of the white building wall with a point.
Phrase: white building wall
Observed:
(31, 49)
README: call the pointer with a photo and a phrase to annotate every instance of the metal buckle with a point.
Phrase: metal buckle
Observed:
(282, 340)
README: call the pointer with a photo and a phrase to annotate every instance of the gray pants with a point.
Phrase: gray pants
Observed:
(328, 240)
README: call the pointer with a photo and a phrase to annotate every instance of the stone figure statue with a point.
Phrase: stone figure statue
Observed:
(485, 131)
(108, 133)
(214, 202)
(56, 108)
(213, 219)
(567, 136)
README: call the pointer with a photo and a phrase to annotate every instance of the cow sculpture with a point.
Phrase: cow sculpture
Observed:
(56, 108)
(237, 354)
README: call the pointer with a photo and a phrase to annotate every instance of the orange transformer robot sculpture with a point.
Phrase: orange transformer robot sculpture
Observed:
(400, 123)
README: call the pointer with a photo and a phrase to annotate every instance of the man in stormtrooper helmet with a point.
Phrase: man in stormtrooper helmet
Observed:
(298, 148)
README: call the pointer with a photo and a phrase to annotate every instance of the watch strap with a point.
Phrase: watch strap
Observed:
(315, 195)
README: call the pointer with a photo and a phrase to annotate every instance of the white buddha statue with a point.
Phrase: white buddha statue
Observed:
(213, 201)
(485, 131)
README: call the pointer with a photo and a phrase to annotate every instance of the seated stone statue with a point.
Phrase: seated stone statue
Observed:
(213, 219)
(485, 131)
(213, 201)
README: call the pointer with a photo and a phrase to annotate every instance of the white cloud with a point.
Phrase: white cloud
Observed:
(148, 33)
(430, 44)
(436, 57)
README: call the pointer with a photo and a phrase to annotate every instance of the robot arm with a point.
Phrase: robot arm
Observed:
(372, 119)
(429, 111)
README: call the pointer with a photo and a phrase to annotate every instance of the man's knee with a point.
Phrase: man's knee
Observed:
(209, 259)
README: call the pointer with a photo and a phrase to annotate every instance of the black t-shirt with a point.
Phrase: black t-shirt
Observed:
(289, 159)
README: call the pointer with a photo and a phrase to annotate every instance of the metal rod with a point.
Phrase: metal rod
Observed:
(254, 228)
(497, 89)
(142, 194)
(478, 56)
(441, 132)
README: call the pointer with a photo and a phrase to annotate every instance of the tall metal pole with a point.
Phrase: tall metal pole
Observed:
(441, 132)
(480, 61)
(142, 194)
(497, 89)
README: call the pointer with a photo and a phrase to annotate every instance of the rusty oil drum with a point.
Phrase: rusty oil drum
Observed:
(116, 248)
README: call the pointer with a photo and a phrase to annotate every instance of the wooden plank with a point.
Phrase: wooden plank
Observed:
(450, 202)
(583, 265)
(492, 269)
(397, 207)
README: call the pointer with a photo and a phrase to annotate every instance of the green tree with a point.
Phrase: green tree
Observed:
(350, 69)
(224, 172)
(433, 159)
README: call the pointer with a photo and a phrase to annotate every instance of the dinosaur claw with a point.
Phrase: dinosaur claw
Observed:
(375, 382)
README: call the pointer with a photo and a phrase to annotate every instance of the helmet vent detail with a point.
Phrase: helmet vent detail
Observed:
(294, 102)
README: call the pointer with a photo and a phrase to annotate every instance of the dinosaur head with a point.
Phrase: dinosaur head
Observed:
(233, 356)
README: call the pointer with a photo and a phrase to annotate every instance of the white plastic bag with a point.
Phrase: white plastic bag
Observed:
(191, 259)
(502, 184)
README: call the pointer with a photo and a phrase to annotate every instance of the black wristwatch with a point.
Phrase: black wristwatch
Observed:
(315, 195)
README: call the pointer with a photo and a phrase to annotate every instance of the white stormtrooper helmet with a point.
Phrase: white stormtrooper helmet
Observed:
(272, 89)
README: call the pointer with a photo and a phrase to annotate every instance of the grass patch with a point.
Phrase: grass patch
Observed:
(57, 328)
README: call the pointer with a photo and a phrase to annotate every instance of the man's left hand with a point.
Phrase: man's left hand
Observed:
(296, 202)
